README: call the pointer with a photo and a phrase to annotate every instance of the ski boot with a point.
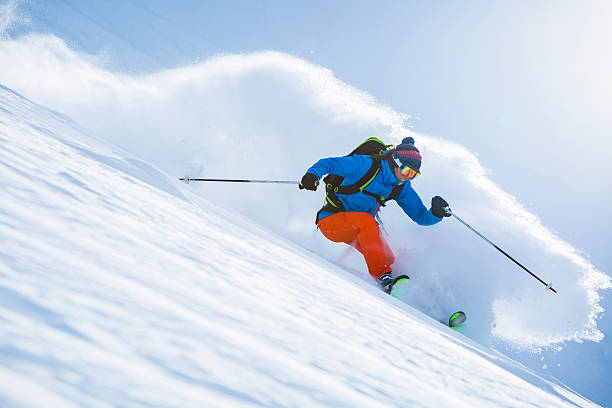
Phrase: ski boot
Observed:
(386, 282)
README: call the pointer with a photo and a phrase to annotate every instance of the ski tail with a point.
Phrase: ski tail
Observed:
(397, 286)
(456, 320)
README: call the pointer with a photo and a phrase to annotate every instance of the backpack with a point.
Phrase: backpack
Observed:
(378, 151)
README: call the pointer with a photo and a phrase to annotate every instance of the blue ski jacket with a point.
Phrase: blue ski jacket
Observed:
(352, 168)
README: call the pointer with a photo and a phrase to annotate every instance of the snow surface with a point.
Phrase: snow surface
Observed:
(118, 290)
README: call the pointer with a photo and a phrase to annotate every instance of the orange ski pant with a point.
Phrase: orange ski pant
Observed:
(360, 230)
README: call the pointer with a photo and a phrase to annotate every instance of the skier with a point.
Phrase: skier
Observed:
(366, 183)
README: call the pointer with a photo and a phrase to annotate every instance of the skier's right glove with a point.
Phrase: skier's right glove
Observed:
(439, 207)
(309, 182)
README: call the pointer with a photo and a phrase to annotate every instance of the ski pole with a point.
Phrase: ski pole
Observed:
(548, 285)
(187, 180)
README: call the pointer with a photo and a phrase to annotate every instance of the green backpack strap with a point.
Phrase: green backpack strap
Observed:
(360, 185)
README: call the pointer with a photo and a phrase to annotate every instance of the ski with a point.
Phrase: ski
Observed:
(457, 320)
(399, 290)
(398, 284)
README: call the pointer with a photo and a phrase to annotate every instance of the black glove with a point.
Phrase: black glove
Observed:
(439, 207)
(309, 182)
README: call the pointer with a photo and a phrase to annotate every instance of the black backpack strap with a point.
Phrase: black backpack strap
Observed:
(363, 181)
(395, 192)
(380, 199)
(383, 200)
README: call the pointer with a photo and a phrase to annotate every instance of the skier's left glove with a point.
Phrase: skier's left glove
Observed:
(439, 207)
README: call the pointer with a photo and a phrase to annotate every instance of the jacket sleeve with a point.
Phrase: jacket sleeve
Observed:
(412, 205)
(343, 166)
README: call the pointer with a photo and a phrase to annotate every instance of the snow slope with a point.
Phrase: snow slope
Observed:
(117, 290)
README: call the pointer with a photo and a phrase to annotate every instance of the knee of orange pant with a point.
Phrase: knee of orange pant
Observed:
(389, 253)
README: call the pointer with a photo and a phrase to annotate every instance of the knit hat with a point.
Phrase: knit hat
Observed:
(408, 155)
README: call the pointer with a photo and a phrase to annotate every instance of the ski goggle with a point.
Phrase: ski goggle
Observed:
(405, 170)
